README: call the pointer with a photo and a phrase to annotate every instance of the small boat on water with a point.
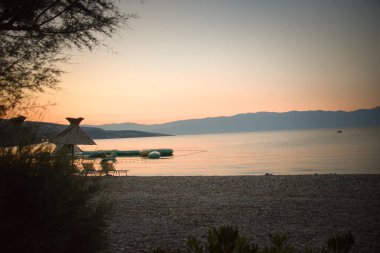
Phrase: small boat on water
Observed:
(339, 131)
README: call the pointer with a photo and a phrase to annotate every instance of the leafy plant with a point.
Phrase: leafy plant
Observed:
(279, 244)
(46, 208)
(227, 239)
(195, 246)
(341, 243)
(224, 239)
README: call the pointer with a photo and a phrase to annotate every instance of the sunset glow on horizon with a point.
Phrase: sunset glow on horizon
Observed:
(196, 59)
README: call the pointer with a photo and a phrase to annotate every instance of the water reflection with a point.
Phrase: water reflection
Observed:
(255, 153)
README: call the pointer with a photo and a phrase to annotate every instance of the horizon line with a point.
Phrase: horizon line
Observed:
(226, 116)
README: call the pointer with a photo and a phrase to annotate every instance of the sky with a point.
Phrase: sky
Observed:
(186, 59)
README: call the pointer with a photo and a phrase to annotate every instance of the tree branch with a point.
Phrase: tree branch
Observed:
(58, 14)
(44, 11)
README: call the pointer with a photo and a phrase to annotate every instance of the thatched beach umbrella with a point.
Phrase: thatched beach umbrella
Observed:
(73, 135)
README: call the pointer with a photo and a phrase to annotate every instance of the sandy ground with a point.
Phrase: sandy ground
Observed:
(151, 212)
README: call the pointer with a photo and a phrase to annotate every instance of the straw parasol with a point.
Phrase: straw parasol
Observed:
(73, 135)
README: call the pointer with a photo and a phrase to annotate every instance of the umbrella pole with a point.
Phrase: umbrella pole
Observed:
(72, 156)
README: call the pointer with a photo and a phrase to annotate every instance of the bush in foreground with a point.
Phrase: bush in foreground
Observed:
(44, 207)
(227, 239)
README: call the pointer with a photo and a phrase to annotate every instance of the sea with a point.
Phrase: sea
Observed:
(292, 152)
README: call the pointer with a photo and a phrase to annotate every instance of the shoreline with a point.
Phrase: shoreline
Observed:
(162, 211)
(252, 175)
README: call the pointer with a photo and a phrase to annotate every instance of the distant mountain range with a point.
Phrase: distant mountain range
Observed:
(50, 130)
(260, 121)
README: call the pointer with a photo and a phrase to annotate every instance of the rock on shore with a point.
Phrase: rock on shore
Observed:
(151, 212)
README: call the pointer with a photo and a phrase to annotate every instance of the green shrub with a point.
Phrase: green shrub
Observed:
(341, 243)
(46, 208)
(224, 239)
(195, 246)
(279, 244)
(227, 239)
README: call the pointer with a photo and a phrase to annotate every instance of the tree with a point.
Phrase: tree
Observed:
(36, 34)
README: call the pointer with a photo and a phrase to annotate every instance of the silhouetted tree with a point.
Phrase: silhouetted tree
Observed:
(36, 34)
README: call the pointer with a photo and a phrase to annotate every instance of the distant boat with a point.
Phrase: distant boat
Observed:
(339, 131)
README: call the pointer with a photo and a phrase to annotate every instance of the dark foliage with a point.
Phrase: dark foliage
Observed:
(36, 34)
(45, 208)
(227, 239)
(341, 243)
(279, 244)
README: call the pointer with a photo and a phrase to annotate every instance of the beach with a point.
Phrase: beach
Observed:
(151, 212)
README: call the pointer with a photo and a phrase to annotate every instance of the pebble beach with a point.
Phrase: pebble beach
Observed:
(152, 212)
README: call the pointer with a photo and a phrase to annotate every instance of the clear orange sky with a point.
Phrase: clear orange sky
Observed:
(202, 58)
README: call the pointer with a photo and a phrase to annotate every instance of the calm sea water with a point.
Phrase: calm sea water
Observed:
(356, 150)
